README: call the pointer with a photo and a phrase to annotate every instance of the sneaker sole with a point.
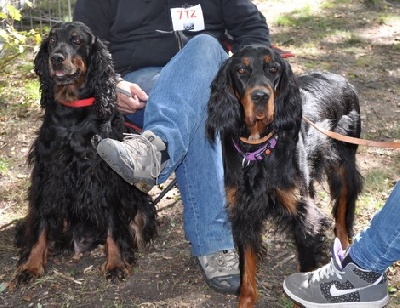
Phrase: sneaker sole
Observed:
(141, 184)
(377, 304)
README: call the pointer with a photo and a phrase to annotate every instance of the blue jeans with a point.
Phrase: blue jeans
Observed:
(176, 111)
(378, 246)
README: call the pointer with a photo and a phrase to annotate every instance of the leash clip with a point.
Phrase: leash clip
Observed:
(244, 162)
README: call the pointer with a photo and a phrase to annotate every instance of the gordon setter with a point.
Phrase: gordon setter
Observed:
(272, 158)
(75, 199)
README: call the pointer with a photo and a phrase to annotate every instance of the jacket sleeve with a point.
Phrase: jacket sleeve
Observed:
(245, 23)
(95, 14)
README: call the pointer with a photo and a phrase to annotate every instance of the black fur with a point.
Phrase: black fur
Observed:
(280, 185)
(75, 199)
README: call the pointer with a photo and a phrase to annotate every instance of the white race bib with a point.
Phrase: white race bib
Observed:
(188, 19)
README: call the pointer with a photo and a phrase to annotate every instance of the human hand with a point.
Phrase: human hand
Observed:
(130, 97)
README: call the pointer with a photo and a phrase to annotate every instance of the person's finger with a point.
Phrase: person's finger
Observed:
(136, 90)
(129, 104)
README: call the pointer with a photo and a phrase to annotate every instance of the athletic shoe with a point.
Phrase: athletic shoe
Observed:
(334, 286)
(137, 159)
(221, 271)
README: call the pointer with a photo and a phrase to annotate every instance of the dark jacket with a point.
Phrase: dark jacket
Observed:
(140, 33)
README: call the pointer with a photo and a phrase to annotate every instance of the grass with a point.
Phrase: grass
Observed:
(32, 91)
(25, 66)
(353, 40)
(3, 166)
(285, 302)
(326, 21)
(375, 182)
(328, 5)
(19, 96)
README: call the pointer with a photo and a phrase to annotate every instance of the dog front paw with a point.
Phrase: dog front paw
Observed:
(26, 275)
(115, 273)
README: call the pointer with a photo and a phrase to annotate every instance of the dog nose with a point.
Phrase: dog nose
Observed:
(259, 96)
(57, 58)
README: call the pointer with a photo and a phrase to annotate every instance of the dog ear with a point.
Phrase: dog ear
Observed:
(288, 103)
(223, 105)
(101, 78)
(41, 68)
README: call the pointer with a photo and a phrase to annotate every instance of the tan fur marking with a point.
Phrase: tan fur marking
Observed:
(70, 93)
(230, 196)
(137, 227)
(79, 64)
(288, 198)
(257, 120)
(341, 230)
(271, 105)
(248, 108)
(114, 259)
(37, 259)
(248, 287)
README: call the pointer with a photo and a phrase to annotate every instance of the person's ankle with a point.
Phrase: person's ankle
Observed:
(154, 139)
(347, 259)
(161, 145)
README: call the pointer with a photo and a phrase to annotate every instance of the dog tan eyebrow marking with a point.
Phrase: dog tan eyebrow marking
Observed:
(267, 59)
(246, 61)
(75, 35)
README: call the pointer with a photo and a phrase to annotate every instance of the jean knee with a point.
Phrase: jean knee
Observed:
(207, 45)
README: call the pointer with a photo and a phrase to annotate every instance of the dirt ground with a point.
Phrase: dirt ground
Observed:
(166, 275)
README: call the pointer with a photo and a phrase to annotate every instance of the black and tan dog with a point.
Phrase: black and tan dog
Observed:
(76, 199)
(272, 158)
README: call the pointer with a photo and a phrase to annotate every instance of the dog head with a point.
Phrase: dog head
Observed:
(72, 63)
(254, 93)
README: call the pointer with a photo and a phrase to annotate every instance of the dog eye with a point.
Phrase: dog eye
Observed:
(241, 70)
(52, 40)
(77, 41)
(273, 70)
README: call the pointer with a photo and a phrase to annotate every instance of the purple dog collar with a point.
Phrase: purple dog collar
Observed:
(258, 154)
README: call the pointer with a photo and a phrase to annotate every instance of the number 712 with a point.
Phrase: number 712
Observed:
(185, 14)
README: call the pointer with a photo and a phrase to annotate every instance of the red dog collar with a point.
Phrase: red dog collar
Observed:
(80, 103)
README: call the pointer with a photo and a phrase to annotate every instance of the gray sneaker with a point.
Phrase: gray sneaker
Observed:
(221, 271)
(137, 159)
(334, 286)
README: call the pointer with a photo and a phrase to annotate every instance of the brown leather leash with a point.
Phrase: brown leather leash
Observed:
(359, 141)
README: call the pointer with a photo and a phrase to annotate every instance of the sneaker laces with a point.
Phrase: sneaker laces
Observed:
(144, 144)
(224, 259)
(325, 272)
